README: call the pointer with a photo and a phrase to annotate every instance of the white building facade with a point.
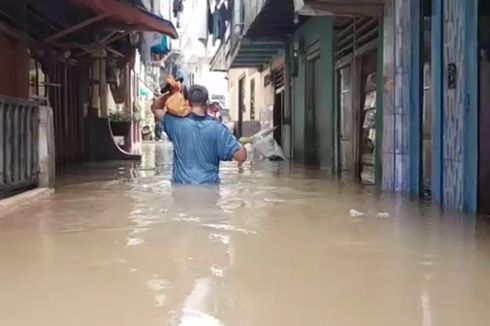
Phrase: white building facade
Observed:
(193, 50)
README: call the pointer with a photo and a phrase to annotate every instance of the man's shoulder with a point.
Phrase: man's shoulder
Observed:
(196, 121)
(175, 120)
(204, 119)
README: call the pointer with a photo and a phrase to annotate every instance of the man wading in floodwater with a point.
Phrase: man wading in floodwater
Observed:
(200, 142)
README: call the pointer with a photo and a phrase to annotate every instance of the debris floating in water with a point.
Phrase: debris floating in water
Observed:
(355, 213)
(134, 242)
(383, 215)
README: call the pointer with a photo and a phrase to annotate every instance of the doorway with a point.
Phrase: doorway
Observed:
(356, 88)
(484, 134)
(241, 106)
(279, 95)
(278, 109)
(367, 148)
(313, 84)
(427, 107)
(344, 122)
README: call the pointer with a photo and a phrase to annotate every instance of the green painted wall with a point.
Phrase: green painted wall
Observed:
(379, 109)
(316, 30)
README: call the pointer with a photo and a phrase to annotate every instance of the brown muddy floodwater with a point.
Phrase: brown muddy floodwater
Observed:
(272, 246)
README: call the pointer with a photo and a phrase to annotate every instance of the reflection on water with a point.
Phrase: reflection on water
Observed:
(273, 245)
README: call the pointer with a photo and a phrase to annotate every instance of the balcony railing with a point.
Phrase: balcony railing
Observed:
(19, 141)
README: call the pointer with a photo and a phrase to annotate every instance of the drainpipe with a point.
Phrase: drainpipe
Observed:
(238, 17)
(288, 100)
(95, 98)
(103, 88)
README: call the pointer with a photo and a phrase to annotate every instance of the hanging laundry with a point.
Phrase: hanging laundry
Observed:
(220, 18)
(148, 41)
(178, 7)
(227, 12)
(161, 48)
(210, 21)
(201, 21)
(215, 24)
(223, 11)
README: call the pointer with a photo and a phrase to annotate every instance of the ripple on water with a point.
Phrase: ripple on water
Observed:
(228, 227)
(133, 242)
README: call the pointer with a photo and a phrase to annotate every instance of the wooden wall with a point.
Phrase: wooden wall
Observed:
(14, 68)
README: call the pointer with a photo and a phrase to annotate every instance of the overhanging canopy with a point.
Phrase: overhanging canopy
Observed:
(132, 16)
(370, 8)
(252, 54)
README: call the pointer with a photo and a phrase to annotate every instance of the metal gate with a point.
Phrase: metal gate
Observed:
(19, 141)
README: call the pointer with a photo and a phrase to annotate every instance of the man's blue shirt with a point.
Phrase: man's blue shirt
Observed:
(200, 143)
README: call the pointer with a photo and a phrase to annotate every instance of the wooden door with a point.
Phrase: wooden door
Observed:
(345, 122)
(313, 89)
(484, 146)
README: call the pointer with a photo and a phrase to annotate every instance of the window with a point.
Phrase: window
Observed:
(252, 99)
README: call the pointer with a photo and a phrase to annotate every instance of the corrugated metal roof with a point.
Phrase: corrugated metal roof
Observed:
(127, 14)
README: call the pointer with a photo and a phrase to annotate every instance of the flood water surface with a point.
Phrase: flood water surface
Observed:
(118, 245)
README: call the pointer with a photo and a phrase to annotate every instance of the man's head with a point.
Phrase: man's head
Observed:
(198, 96)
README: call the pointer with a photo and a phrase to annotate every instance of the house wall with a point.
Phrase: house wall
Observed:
(453, 105)
(14, 65)
(317, 30)
(396, 98)
(264, 95)
(460, 105)
(455, 121)
(215, 82)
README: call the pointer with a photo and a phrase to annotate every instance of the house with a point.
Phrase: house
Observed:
(66, 61)
(390, 93)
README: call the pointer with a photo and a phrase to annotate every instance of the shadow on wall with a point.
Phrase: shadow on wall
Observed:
(250, 128)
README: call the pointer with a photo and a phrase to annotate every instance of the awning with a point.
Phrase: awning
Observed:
(370, 8)
(132, 16)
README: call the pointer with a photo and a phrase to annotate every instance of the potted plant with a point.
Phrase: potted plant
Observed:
(120, 123)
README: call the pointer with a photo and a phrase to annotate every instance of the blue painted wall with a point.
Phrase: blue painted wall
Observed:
(455, 120)
(388, 150)
(416, 95)
(437, 99)
(471, 67)
(398, 78)
(458, 112)
(453, 105)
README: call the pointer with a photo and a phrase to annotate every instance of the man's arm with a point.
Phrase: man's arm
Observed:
(228, 146)
(158, 108)
(240, 155)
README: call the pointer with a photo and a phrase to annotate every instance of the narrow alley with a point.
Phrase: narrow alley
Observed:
(343, 145)
(117, 245)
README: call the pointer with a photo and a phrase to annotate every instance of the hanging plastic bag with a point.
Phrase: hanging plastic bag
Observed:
(265, 144)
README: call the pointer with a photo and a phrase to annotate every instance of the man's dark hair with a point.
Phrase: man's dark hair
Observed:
(198, 95)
